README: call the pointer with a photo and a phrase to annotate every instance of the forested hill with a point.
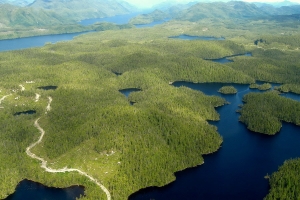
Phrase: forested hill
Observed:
(84, 9)
(14, 16)
(42, 12)
(233, 9)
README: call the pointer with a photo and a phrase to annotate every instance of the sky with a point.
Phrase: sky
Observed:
(150, 3)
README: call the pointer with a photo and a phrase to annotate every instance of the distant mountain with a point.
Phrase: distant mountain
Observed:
(165, 5)
(232, 9)
(57, 12)
(14, 16)
(17, 2)
(78, 9)
(276, 4)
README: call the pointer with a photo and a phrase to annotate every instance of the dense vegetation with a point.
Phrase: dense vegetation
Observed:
(227, 90)
(55, 17)
(93, 127)
(264, 112)
(285, 184)
(126, 147)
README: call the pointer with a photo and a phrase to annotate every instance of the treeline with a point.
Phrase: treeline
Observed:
(263, 112)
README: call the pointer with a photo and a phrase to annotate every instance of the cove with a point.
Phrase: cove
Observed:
(236, 171)
(29, 190)
(190, 37)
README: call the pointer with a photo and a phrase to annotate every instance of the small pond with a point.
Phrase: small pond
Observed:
(49, 87)
(28, 112)
(29, 190)
(127, 92)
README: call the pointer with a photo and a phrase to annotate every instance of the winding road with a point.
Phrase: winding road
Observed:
(3, 99)
(44, 162)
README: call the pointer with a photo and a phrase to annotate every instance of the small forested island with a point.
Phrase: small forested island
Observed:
(227, 90)
(86, 132)
(265, 86)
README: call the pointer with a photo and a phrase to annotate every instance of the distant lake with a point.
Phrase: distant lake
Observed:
(236, 171)
(191, 37)
(118, 19)
(39, 41)
(150, 24)
(35, 41)
(29, 190)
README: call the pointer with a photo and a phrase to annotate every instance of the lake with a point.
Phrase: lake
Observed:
(35, 41)
(236, 171)
(29, 190)
(39, 41)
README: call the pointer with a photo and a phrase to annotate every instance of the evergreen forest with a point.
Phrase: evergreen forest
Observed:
(134, 142)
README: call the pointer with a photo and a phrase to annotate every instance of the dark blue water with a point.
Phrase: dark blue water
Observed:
(227, 58)
(29, 190)
(49, 87)
(36, 41)
(190, 37)
(127, 92)
(236, 171)
(28, 112)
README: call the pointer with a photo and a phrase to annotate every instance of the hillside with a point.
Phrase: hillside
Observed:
(84, 9)
(14, 16)
(16, 2)
(55, 17)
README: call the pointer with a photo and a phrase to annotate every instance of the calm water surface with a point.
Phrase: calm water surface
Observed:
(36, 41)
(127, 92)
(118, 19)
(237, 170)
(29, 190)
(190, 37)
